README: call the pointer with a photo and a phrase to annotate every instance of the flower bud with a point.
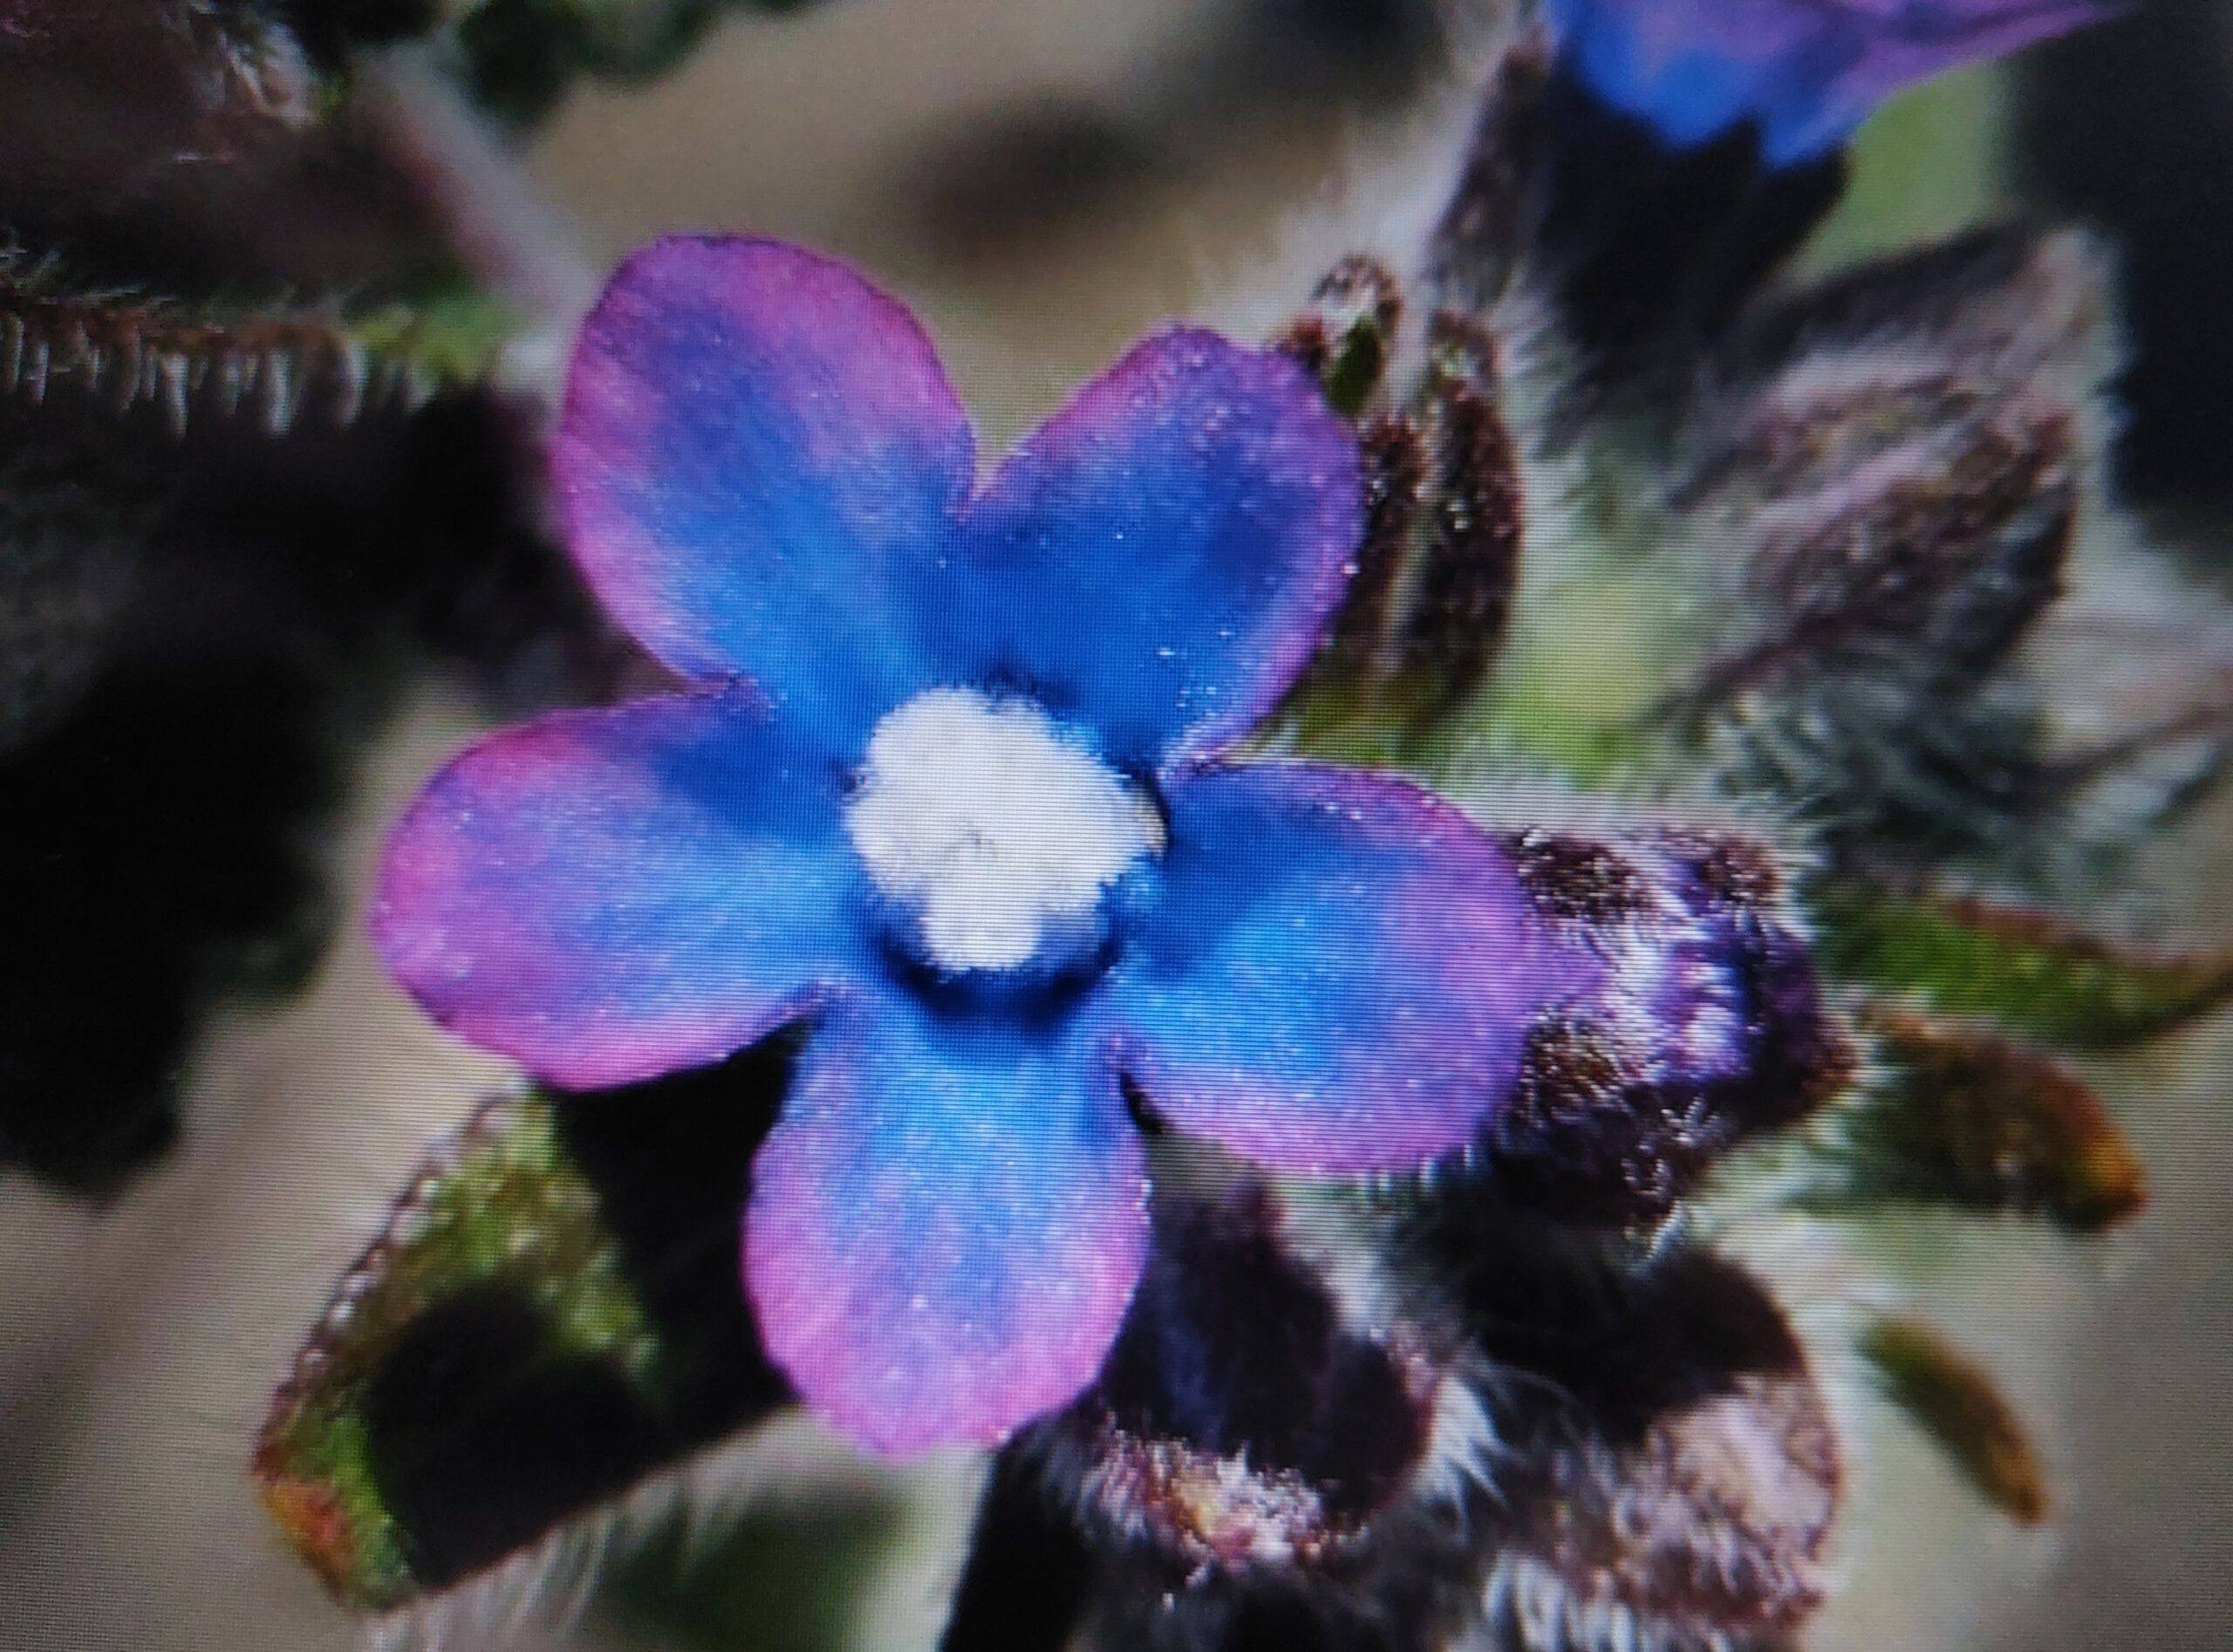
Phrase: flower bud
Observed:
(1708, 1026)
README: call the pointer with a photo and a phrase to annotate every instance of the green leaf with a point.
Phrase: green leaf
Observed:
(551, 1315)
(269, 369)
(2029, 972)
(1955, 1401)
(1963, 1119)
(519, 56)
(780, 1577)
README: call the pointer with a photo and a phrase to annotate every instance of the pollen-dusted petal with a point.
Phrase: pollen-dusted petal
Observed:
(1338, 973)
(608, 896)
(1809, 71)
(759, 462)
(1161, 556)
(946, 1226)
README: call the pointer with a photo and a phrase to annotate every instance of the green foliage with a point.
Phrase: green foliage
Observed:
(2028, 972)
(505, 1210)
(1933, 162)
(520, 57)
(1954, 1402)
(781, 1577)
(266, 366)
(549, 1320)
(1969, 1122)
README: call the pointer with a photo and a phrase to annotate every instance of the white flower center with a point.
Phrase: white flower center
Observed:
(991, 831)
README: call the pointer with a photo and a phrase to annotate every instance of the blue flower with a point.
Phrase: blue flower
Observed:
(949, 777)
(1807, 73)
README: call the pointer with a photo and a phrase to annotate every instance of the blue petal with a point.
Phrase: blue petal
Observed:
(1806, 72)
(760, 462)
(1338, 974)
(946, 1224)
(1667, 67)
(1159, 559)
(1918, 40)
(608, 896)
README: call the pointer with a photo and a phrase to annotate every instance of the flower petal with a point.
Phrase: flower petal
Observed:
(608, 896)
(760, 457)
(1922, 41)
(1808, 70)
(1338, 974)
(946, 1226)
(1166, 550)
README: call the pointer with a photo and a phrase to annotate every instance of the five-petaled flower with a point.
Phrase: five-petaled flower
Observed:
(952, 779)
(1805, 72)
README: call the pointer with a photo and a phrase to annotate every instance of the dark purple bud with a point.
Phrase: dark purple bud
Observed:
(1953, 543)
(1461, 596)
(1668, 1471)
(1709, 1026)
(1478, 244)
(1890, 472)
(2006, 308)
(1644, 247)
(1394, 475)
(1806, 427)
(1258, 1416)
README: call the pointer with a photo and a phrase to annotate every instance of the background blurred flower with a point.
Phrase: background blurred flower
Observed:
(1805, 72)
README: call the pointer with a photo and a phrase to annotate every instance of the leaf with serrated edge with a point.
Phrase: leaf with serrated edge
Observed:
(267, 369)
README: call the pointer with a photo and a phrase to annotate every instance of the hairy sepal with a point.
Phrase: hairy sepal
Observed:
(550, 1318)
